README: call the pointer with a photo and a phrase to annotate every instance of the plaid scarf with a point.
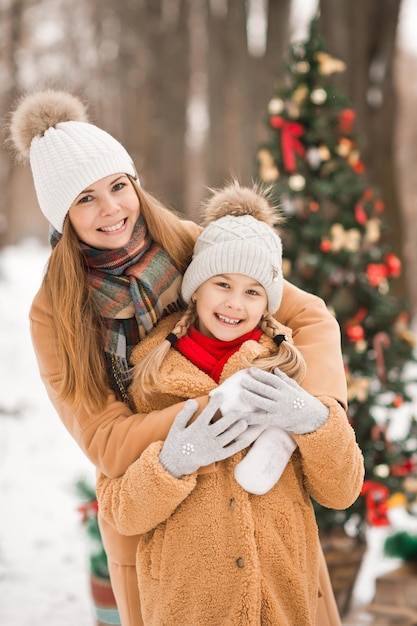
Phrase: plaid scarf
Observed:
(133, 288)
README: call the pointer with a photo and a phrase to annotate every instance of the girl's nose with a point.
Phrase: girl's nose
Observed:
(234, 302)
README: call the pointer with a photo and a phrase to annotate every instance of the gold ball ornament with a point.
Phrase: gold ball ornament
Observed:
(318, 96)
(361, 346)
(324, 152)
(302, 67)
(354, 157)
(276, 106)
(382, 470)
(297, 182)
(344, 147)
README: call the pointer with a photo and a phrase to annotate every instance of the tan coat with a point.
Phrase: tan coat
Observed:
(211, 554)
(115, 437)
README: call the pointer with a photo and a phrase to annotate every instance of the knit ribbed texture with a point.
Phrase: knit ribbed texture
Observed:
(67, 159)
(237, 245)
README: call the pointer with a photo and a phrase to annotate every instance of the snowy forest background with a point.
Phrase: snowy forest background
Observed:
(184, 85)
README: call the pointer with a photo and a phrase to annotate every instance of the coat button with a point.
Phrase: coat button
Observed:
(232, 503)
(240, 562)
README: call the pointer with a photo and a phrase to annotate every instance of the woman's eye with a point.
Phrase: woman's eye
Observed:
(85, 199)
(118, 186)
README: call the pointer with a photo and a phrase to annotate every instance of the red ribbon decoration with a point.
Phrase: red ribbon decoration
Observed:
(88, 509)
(291, 145)
(346, 120)
(376, 496)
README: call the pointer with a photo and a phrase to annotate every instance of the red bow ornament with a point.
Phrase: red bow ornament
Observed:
(290, 142)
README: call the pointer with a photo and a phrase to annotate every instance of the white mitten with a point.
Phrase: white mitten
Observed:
(264, 463)
(232, 391)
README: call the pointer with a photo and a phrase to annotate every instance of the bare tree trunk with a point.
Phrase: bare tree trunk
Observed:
(363, 34)
(168, 82)
(144, 88)
(11, 34)
(228, 95)
(239, 87)
(268, 70)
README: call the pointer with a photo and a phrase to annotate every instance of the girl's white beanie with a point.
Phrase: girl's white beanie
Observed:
(239, 242)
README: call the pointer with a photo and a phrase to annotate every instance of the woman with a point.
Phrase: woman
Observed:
(109, 280)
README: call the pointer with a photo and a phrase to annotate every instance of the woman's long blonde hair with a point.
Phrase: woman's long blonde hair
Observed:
(288, 358)
(77, 322)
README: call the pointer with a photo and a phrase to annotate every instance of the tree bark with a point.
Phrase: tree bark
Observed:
(11, 36)
(228, 94)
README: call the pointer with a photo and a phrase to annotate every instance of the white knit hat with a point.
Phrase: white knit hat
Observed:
(239, 242)
(67, 154)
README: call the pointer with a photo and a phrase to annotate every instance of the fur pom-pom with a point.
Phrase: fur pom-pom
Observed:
(37, 112)
(234, 199)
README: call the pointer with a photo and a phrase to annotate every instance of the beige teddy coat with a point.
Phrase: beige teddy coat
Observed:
(211, 554)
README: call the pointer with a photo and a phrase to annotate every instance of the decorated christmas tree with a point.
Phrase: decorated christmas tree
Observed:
(88, 509)
(336, 246)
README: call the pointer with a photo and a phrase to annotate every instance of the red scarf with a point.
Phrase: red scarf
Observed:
(209, 354)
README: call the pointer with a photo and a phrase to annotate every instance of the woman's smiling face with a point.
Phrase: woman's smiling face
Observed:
(104, 215)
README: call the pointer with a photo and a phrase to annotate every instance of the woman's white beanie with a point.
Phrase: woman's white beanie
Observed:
(240, 241)
(66, 153)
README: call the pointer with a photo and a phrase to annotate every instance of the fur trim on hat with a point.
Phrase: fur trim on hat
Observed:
(237, 200)
(39, 111)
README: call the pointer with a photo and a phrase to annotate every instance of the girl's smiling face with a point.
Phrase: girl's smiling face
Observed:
(104, 215)
(229, 306)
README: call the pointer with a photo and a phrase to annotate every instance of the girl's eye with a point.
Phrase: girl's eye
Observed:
(224, 285)
(119, 186)
(253, 292)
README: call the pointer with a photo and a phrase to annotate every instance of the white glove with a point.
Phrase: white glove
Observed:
(280, 401)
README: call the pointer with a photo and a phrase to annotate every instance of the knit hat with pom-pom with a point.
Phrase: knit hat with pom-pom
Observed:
(67, 154)
(239, 238)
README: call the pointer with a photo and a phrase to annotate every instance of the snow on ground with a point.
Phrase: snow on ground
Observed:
(43, 549)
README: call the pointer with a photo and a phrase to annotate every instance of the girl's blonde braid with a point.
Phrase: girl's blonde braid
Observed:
(288, 358)
(146, 372)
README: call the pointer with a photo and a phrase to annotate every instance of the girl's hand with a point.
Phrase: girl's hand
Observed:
(280, 401)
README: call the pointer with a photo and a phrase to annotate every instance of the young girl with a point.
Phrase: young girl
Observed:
(114, 271)
(210, 552)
